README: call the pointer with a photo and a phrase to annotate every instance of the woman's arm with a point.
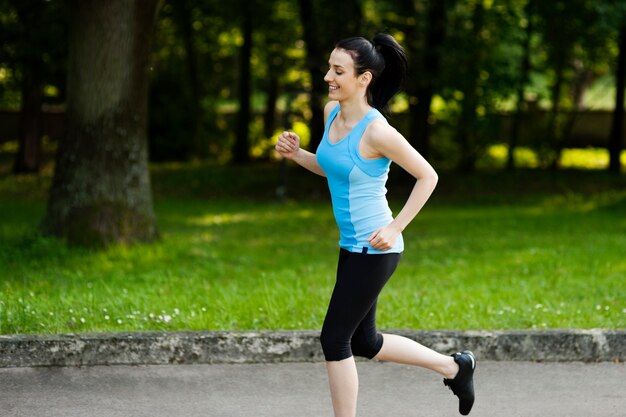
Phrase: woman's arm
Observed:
(384, 140)
(288, 146)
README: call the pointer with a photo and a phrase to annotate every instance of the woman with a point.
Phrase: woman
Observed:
(355, 155)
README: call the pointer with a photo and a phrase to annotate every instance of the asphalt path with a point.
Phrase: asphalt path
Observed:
(522, 389)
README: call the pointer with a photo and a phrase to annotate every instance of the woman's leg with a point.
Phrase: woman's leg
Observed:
(344, 386)
(403, 350)
(360, 278)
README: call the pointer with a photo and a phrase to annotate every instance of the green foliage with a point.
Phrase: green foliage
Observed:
(514, 251)
(195, 64)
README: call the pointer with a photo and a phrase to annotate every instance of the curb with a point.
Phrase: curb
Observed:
(148, 348)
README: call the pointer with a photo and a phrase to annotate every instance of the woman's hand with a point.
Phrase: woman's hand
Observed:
(385, 237)
(288, 145)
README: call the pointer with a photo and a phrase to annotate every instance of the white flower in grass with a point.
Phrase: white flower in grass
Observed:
(167, 318)
(203, 309)
(107, 317)
(119, 321)
(51, 313)
(105, 310)
(176, 311)
(82, 320)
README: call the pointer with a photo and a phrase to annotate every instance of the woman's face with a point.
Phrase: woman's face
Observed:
(341, 77)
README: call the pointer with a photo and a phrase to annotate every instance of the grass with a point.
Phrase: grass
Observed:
(490, 251)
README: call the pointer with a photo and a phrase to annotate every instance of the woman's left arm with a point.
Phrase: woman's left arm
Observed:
(386, 141)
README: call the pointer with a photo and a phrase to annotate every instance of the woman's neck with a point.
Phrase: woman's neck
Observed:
(352, 111)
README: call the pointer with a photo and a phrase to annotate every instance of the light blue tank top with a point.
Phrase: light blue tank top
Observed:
(357, 187)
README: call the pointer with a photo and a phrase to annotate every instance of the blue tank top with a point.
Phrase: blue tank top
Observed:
(357, 187)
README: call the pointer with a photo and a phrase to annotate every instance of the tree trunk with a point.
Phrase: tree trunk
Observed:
(31, 15)
(413, 45)
(269, 117)
(101, 190)
(554, 139)
(466, 135)
(28, 157)
(525, 76)
(435, 36)
(617, 128)
(340, 19)
(196, 90)
(314, 63)
(242, 147)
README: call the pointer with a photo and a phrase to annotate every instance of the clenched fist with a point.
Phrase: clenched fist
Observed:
(288, 145)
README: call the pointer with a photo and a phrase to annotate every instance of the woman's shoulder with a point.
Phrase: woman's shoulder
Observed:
(380, 133)
(328, 108)
(380, 129)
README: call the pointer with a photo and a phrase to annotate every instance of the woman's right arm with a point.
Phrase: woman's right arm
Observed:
(288, 146)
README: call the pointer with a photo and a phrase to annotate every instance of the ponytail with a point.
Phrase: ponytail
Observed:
(394, 74)
(385, 59)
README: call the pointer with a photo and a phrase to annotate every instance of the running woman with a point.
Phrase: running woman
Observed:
(355, 155)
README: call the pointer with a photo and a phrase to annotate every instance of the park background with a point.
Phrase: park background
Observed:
(139, 189)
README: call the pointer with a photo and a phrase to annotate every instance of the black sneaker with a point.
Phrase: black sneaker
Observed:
(463, 383)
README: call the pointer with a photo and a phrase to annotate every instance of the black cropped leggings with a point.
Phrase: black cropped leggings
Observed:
(350, 324)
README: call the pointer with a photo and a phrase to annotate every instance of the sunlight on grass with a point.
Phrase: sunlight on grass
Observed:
(505, 257)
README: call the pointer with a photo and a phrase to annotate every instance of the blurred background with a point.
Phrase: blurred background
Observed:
(92, 92)
(494, 83)
(154, 121)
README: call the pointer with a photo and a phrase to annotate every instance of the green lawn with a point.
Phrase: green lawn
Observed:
(490, 251)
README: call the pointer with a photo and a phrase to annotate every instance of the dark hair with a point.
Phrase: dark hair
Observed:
(385, 59)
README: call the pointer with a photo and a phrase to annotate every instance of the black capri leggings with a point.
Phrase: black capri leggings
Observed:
(350, 324)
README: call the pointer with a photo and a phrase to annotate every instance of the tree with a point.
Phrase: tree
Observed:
(576, 45)
(424, 26)
(33, 46)
(324, 23)
(617, 127)
(466, 132)
(101, 190)
(242, 146)
(525, 68)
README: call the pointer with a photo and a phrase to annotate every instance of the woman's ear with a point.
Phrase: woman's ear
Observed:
(365, 78)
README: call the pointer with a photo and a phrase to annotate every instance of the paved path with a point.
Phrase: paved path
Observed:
(300, 390)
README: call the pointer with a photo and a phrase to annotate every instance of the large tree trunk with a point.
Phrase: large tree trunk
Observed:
(617, 128)
(101, 190)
